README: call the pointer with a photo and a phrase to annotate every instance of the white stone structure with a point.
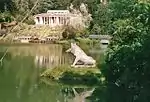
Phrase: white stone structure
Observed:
(77, 18)
(53, 18)
(80, 55)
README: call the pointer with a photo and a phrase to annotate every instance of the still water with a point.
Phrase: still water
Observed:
(20, 71)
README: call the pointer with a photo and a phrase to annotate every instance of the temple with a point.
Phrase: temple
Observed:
(53, 18)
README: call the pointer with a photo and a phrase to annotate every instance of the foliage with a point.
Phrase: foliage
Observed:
(101, 20)
(84, 41)
(76, 75)
(127, 64)
(69, 32)
(19, 8)
(7, 5)
(6, 17)
(134, 28)
(127, 72)
(126, 67)
(53, 5)
(88, 78)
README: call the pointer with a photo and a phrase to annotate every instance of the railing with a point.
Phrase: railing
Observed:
(37, 39)
(108, 37)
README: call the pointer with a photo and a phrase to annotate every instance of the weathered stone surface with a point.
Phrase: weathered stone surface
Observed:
(80, 55)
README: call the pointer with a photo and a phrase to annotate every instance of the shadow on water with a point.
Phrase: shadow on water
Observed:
(20, 71)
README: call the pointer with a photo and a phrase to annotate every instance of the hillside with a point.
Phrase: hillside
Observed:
(33, 30)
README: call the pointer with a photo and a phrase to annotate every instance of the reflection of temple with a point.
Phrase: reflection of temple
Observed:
(50, 61)
(47, 56)
(53, 58)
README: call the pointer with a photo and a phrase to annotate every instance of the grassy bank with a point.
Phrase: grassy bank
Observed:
(68, 75)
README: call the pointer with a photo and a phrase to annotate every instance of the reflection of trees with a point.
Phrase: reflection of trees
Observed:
(46, 93)
(19, 83)
(5, 58)
(55, 57)
(33, 50)
(48, 56)
(17, 79)
(45, 55)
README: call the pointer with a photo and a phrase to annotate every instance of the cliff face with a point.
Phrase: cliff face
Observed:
(80, 18)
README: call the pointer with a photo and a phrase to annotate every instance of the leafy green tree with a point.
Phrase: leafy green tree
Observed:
(7, 5)
(126, 68)
(101, 20)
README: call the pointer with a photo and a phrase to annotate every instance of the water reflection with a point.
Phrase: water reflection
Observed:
(47, 56)
(51, 61)
(20, 71)
(81, 95)
(19, 82)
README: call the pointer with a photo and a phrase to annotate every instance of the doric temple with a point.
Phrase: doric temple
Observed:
(53, 18)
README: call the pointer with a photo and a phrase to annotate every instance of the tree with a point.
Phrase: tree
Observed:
(126, 68)
(7, 5)
(102, 16)
(69, 32)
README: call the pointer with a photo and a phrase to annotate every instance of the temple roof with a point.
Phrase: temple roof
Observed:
(51, 14)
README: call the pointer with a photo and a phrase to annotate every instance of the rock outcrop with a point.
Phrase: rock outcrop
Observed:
(80, 17)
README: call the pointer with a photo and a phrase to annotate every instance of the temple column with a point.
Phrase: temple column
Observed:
(41, 20)
(35, 19)
(49, 20)
(57, 20)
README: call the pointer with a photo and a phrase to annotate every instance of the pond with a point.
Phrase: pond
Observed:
(20, 74)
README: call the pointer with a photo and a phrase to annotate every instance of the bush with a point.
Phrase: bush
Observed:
(70, 75)
(75, 78)
(6, 17)
(69, 32)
